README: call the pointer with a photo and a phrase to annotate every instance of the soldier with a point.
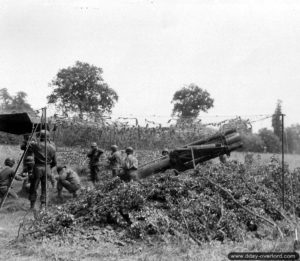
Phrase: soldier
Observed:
(39, 173)
(130, 165)
(223, 159)
(94, 156)
(27, 173)
(68, 179)
(6, 175)
(27, 164)
(165, 152)
(115, 160)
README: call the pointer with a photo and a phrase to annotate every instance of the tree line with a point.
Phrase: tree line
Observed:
(81, 91)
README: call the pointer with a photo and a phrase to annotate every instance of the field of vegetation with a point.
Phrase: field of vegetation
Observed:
(197, 215)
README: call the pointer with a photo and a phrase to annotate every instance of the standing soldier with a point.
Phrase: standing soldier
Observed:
(28, 163)
(39, 173)
(94, 156)
(27, 173)
(115, 160)
(130, 166)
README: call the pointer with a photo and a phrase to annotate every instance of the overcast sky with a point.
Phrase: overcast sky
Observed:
(246, 54)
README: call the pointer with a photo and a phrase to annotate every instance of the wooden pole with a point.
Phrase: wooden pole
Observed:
(45, 121)
(282, 160)
(19, 163)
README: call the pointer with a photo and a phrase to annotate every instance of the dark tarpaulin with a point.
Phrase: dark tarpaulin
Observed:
(17, 123)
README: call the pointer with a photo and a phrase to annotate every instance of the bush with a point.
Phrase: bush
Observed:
(207, 204)
(252, 142)
(270, 140)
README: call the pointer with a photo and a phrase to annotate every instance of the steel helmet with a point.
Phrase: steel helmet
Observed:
(29, 159)
(44, 134)
(165, 150)
(60, 168)
(9, 162)
(94, 144)
(114, 147)
(129, 150)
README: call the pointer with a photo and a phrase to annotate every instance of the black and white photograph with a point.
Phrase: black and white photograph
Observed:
(149, 130)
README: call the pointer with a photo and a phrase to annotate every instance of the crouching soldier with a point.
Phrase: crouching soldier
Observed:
(130, 166)
(67, 179)
(115, 160)
(6, 175)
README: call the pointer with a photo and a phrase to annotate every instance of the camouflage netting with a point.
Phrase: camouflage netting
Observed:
(217, 202)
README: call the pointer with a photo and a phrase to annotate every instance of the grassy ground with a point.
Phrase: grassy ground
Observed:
(100, 247)
(293, 160)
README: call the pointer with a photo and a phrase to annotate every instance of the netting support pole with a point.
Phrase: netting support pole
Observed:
(46, 178)
(282, 157)
(17, 168)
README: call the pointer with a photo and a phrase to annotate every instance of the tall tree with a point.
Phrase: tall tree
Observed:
(190, 100)
(5, 98)
(293, 139)
(271, 141)
(81, 89)
(16, 103)
(277, 120)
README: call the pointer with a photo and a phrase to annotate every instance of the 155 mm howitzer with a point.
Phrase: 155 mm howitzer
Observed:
(186, 157)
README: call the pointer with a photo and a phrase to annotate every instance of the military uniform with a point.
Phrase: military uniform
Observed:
(6, 176)
(39, 174)
(130, 167)
(27, 164)
(115, 162)
(69, 180)
(94, 156)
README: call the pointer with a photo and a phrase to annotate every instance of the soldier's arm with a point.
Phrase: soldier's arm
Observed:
(23, 145)
(89, 155)
(54, 161)
(135, 163)
(19, 178)
(112, 157)
(11, 175)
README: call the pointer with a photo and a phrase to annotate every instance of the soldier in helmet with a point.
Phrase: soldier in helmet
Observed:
(27, 166)
(130, 166)
(27, 173)
(68, 179)
(165, 152)
(6, 175)
(223, 159)
(115, 160)
(94, 156)
(39, 173)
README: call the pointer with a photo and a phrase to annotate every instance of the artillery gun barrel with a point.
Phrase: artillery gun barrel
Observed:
(212, 139)
(203, 150)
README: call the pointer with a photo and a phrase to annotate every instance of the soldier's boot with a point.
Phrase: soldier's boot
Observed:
(43, 206)
(32, 205)
(75, 194)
